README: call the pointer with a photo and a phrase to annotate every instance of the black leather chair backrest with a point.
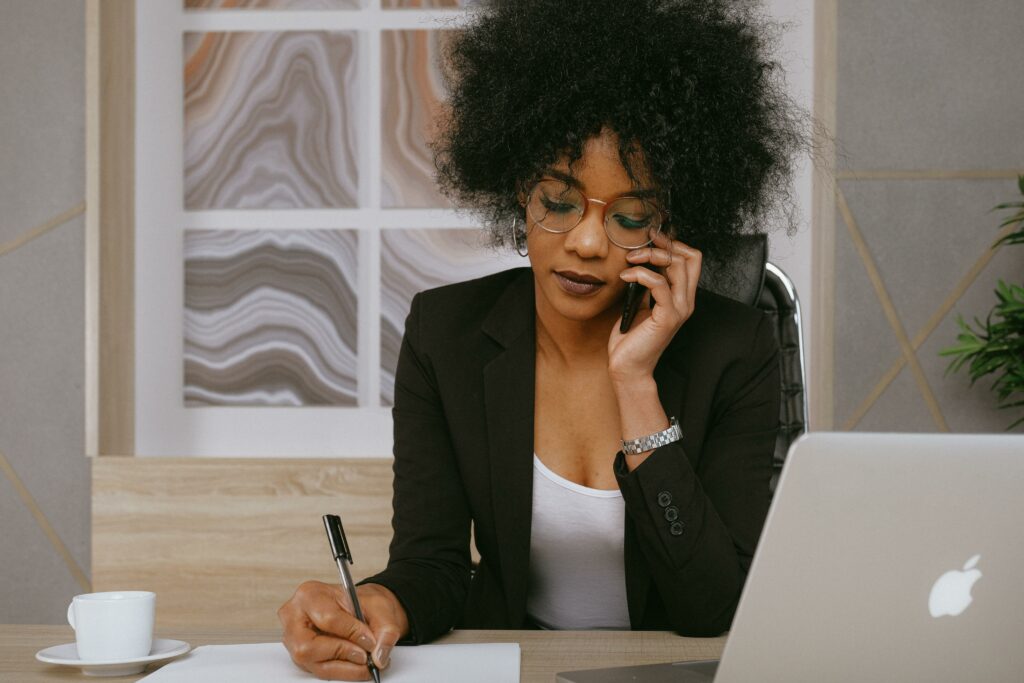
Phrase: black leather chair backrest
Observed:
(778, 299)
(750, 278)
(742, 276)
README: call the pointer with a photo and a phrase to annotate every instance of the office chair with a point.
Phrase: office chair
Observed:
(750, 278)
(779, 300)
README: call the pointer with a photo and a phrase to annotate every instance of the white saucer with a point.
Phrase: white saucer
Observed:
(67, 655)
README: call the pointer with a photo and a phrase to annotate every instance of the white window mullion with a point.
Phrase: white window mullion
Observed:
(372, 18)
(306, 219)
(369, 236)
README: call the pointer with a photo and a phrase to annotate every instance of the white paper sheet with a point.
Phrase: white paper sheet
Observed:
(270, 663)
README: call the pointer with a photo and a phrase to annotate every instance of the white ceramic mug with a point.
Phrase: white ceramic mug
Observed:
(113, 626)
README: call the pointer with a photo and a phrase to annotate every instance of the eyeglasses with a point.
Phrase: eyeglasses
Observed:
(558, 207)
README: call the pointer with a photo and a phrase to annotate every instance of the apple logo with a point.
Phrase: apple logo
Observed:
(951, 594)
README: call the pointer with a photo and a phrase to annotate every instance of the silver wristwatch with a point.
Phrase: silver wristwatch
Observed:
(652, 441)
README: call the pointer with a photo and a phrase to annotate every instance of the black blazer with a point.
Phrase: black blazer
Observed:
(463, 416)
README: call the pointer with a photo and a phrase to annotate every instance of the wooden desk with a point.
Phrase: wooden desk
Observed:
(543, 653)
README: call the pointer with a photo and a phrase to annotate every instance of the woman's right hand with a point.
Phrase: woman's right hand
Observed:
(325, 639)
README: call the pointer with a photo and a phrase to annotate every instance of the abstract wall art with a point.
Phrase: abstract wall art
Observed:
(412, 98)
(270, 318)
(270, 120)
(273, 4)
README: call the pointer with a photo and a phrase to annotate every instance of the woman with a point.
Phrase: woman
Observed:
(613, 479)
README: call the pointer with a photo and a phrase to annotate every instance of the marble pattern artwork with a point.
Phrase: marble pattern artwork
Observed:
(270, 120)
(412, 94)
(416, 259)
(272, 4)
(270, 317)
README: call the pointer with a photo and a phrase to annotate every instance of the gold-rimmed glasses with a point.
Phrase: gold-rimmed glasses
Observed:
(558, 207)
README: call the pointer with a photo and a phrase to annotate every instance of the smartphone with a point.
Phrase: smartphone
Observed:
(631, 302)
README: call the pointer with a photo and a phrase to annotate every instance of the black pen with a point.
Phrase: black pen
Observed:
(343, 557)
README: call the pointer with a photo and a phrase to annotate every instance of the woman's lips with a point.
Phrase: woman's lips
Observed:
(573, 284)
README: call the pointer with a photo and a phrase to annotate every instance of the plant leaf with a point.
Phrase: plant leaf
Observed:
(996, 346)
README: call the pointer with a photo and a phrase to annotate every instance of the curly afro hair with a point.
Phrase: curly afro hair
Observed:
(687, 85)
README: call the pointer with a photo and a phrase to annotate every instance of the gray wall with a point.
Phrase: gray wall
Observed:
(923, 85)
(42, 174)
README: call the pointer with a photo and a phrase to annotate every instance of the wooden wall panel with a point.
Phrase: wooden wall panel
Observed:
(223, 542)
(110, 228)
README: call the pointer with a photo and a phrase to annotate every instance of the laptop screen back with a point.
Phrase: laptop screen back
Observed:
(888, 557)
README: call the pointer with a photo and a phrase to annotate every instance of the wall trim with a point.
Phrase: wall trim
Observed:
(41, 229)
(823, 217)
(29, 501)
(110, 228)
(931, 174)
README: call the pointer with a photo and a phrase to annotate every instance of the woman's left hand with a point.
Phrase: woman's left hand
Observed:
(633, 355)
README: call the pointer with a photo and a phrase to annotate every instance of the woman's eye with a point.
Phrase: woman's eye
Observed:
(632, 222)
(555, 206)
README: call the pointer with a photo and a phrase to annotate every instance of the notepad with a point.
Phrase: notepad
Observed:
(270, 663)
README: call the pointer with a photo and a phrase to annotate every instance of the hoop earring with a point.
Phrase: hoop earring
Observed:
(521, 250)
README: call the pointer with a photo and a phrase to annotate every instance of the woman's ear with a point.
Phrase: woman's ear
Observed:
(521, 193)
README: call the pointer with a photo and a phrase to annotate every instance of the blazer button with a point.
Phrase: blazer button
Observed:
(664, 499)
(676, 529)
(671, 513)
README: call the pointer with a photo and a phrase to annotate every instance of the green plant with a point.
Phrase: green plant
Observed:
(997, 345)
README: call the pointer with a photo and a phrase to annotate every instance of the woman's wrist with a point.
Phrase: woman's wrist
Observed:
(634, 387)
(640, 411)
(398, 614)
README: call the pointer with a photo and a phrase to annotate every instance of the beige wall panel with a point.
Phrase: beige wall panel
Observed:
(223, 542)
(110, 246)
(821, 337)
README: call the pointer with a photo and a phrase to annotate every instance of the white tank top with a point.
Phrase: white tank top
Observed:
(577, 572)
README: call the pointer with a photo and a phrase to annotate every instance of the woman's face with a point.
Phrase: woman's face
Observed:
(577, 272)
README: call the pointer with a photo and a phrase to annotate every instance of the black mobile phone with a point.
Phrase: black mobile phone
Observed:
(631, 302)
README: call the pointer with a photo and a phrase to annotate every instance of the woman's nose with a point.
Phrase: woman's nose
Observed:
(588, 239)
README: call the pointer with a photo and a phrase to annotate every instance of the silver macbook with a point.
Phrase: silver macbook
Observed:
(885, 557)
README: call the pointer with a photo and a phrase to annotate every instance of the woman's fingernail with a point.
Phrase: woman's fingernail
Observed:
(357, 657)
(365, 642)
(384, 656)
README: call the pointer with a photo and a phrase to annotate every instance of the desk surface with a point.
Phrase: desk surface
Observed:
(544, 653)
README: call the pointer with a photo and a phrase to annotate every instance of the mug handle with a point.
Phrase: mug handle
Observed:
(71, 615)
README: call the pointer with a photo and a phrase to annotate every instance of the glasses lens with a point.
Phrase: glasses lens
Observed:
(555, 206)
(630, 221)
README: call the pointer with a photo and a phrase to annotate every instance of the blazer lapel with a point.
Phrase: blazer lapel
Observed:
(509, 398)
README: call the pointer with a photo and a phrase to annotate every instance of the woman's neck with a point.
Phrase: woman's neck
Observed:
(573, 341)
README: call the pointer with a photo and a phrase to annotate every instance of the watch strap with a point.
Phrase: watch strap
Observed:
(652, 441)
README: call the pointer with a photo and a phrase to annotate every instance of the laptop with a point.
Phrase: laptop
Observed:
(885, 557)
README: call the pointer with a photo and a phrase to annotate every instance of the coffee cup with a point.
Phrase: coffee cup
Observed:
(113, 626)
